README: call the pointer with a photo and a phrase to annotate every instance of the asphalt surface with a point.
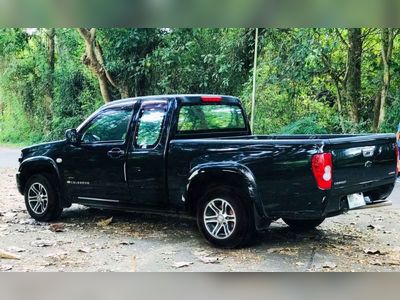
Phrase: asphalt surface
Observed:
(86, 239)
(9, 157)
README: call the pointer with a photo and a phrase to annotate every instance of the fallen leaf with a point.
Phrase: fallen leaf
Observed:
(269, 251)
(393, 263)
(28, 222)
(373, 226)
(169, 253)
(57, 227)
(201, 253)
(4, 268)
(57, 256)
(300, 264)
(16, 249)
(8, 255)
(84, 250)
(181, 264)
(374, 252)
(127, 243)
(210, 259)
(133, 264)
(377, 263)
(329, 265)
(43, 243)
(105, 222)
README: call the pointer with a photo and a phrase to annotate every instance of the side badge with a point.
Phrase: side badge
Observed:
(59, 160)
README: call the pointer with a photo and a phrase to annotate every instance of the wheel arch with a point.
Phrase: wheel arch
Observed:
(236, 176)
(40, 165)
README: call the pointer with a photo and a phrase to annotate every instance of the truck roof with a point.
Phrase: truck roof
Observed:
(185, 98)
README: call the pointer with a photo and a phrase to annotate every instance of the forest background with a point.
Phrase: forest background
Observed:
(309, 80)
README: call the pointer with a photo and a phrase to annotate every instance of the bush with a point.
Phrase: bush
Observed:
(308, 125)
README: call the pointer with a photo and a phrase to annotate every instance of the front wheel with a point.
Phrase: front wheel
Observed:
(41, 199)
(303, 225)
(223, 218)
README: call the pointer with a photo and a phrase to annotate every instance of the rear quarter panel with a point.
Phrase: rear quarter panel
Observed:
(282, 169)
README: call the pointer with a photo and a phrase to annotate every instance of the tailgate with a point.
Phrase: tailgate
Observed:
(362, 160)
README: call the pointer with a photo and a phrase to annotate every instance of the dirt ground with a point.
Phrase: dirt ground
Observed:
(88, 240)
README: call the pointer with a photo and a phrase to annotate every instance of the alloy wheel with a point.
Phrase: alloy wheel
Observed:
(38, 198)
(219, 218)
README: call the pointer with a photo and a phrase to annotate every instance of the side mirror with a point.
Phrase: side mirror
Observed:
(71, 135)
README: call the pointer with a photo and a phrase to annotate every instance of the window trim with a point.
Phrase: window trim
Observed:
(210, 131)
(137, 123)
(92, 120)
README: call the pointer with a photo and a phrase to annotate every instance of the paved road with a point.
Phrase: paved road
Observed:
(9, 157)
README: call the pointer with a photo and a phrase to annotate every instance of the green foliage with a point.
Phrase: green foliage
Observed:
(300, 78)
(307, 125)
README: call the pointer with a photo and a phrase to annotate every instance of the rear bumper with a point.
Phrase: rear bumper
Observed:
(322, 204)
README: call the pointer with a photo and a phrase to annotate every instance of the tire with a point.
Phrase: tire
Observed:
(303, 225)
(39, 189)
(223, 207)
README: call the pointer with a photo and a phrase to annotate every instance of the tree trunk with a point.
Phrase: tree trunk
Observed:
(387, 45)
(49, 97)
(377, 107)
(339, 105)
(387, 40)
(93, 58)
(353, 82)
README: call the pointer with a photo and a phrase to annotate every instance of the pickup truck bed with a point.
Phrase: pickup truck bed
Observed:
(195, 154)
(281, 168)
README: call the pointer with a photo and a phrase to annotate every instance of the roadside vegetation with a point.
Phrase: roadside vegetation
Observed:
(308, 80)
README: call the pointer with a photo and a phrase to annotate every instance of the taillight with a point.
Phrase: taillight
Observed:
(211, 98)
(322, 169)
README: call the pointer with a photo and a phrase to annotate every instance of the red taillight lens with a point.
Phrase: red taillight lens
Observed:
(322, 169)
(211, 98)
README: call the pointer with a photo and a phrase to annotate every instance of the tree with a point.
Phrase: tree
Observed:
(388, 36)
(93, 58)
(353, 75)
(50, 37)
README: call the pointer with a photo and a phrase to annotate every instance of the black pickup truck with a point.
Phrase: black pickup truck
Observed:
(195, 154)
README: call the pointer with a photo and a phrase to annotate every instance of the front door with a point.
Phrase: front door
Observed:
(145, 163)
(94, 169)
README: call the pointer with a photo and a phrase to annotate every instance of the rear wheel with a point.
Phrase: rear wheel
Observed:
(303, 225)
(223, 218)
(41, 199)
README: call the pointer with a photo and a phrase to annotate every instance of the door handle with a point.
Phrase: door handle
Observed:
(115, 153)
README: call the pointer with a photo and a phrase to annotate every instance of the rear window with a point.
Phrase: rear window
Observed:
(209, 118)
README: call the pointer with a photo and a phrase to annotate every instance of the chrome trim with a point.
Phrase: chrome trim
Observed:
(98, 199)
(125, 172)
(368, 151)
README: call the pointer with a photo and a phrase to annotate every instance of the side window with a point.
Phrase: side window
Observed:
(150, 123)
(110, 125)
